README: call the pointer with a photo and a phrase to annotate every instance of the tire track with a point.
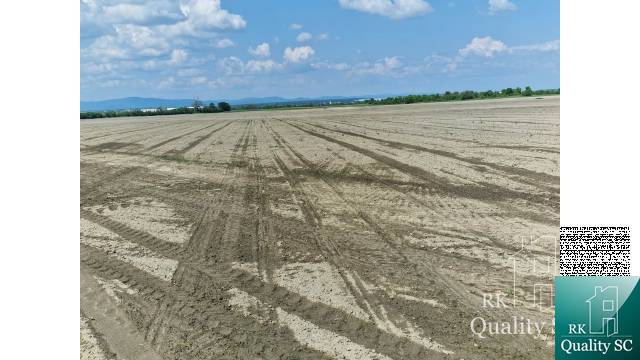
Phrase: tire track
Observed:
(168, 316)
(267, 255)
(180, 153)
(89, 190)
(482, 191)
(384, 317)
(201, 280)
(128, 131)
(153, 147)
(532, 177)
(463, 296)
(212, 225)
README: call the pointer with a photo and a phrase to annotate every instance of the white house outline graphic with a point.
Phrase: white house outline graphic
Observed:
(550, 267)
(605, 321)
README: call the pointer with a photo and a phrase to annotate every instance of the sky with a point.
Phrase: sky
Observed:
(231, 49)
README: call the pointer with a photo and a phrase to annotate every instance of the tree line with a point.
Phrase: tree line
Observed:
(197, 107)
(463, 95)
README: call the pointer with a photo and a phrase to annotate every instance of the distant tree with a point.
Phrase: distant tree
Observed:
(507, 91)
(467, 95)
(197, 104)
(527, 91)
(224, 106)
(518, 91)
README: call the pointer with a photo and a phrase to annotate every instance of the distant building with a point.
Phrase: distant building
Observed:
(148, 110)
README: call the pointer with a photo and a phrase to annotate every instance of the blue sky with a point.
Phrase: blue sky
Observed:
(244, 48)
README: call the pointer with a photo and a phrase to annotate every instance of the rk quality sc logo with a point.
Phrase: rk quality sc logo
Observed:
(596, 317)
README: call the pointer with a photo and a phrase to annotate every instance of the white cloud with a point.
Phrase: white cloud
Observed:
(223, 43)
(331, 66)
(545, 46)
(304, 36)
(198, 80)
(485, 46)
(140, 37)
(208, 14)
(234, 66)
(150, 65)
(125, 38)
(394, 9)
(386, 66)
(322, 36)
(261, 50)
(295, 26)
(190, 72)
(178, 56)
(103, 13)
(298, 54)
(126, 13)
(255, 66)
(501, 5)
(166, 83)
(105, 48)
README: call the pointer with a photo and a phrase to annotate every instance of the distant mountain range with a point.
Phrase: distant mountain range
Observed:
(146, 103)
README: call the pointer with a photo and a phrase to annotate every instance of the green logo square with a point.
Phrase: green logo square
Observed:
(596, 317)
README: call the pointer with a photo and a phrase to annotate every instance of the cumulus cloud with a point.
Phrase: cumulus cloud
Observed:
(261, 50)
(501, 5)
(128, 41)
(322, 36)
(199, 80)
(127, 13)
(178, 56)
(304, 36)
(234, 66)
(295, 26)
(545, 46)
(223, 43)
(104, 13)
(298, 54)
(189, 72)
(485, 46)
(256, 66)
(394, 9)
(126, 37)
(208, 14)
(488, 47)
(331, 66)
(386, 66)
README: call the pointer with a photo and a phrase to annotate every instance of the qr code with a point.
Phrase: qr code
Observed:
(595, 251)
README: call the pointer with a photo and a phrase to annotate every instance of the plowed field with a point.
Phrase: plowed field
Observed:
(331, 233)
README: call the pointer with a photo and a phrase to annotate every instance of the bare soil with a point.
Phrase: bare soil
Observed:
(329, 233)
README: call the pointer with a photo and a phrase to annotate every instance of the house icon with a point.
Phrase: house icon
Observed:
(603, 311)
(533, 269)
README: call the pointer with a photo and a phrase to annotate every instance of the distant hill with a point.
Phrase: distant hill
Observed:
(146, 103)
(132, 103)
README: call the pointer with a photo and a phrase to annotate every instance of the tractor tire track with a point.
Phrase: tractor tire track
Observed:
(153, 147)
(202, 280)
(531, 177)
(180, 153)
(168, 316)
(482, 192)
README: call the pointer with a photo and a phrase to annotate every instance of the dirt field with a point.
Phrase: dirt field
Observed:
(336, 233)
